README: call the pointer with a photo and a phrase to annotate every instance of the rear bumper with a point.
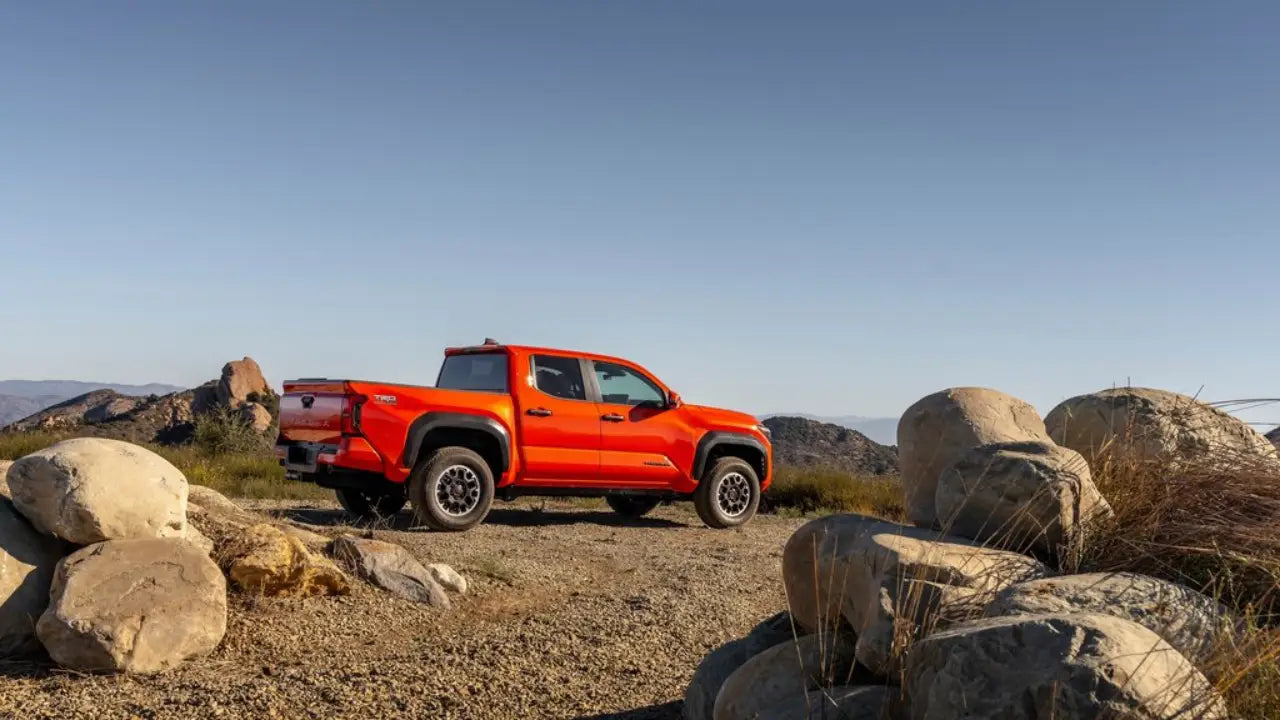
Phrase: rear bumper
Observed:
(352, 453)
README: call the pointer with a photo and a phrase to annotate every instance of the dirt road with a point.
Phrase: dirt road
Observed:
(573, 613)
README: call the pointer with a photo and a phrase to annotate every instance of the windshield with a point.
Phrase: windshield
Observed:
(476, 371)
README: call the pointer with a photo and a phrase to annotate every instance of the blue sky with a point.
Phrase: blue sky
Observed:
(824, 207)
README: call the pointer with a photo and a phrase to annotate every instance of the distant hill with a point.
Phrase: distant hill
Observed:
(883, 430)
(22, 398)
(1274, 437)
(801, 442)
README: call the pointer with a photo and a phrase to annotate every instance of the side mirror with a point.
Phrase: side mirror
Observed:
(673, 399)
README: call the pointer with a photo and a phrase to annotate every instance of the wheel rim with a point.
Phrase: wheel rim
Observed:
(734, 494)
(458, 490)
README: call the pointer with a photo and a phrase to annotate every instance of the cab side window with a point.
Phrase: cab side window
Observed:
(620, 385)
(559, 377)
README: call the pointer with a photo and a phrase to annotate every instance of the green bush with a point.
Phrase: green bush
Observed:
(222, 431)
(821, 491)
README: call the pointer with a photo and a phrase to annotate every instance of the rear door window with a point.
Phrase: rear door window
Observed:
(486, 372)
(559, 377)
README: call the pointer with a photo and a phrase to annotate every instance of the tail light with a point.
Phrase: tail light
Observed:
(351, 414)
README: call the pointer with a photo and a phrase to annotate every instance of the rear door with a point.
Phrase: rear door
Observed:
(559, 424)
(639, 435)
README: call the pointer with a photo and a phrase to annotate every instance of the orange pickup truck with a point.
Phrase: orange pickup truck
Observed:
(505, 421)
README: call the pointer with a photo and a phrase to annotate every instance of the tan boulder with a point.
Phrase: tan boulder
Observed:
(240, 379)
(940, 428)
(791, 668)
(1030, 496)
(843, 702)
(1033, 667)
(891, 582)
(266, 561)
(1192, 623)
(719, 664)
(27, 562)
(199, 539)
(1145, 424)
(808, 569)
(139, 606)
(4, 477)
(448, 578)
(86, 490)
(389, 567)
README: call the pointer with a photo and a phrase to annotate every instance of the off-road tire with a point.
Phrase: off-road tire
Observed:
(424, 484)
(707, 498)
(632, 506)
(369, 507)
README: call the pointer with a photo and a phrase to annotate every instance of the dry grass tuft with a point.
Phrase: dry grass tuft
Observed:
(822, 492)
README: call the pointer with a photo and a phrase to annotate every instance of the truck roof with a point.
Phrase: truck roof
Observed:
(494, 346)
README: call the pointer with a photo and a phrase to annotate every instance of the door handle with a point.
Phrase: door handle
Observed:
(540, 412)
(612, 417)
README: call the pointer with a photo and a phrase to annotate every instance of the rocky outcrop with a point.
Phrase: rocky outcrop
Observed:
(27, 562)
(390, 567)
(242, 381)
(264, 560)
(1143, 424)
(717, 666)
(1032, 667)
(789, 669)
(139, 606)
(800, 442)
(255, 416)
(939, 429)
(86, 490)
(1190, 622)
(888, 581)
(1030, 496)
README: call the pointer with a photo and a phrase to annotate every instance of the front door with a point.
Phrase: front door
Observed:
(559, 424)
(639, 434)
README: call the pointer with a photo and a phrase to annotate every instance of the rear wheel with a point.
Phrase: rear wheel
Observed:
(728, 494)
(632, 506)
(451, 490)
(369, 507)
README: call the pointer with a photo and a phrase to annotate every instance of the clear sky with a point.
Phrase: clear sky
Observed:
(825, 207)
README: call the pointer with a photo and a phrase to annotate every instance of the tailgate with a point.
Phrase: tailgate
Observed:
(311, 411)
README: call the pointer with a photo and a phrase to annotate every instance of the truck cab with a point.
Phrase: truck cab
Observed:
(504, 421)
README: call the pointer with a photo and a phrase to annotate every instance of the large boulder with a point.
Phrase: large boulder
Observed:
(1190, 622)
(789, 669)
(140, 606)
(891, 582)
(1143, 424)
(1030, 496)
(240, 379)
(940, 428)
(27, 563)
(807, 570)
(86, 490)
(843, 702)
(264, 560)
(389, 567)
(1036, 667)
(719, 664)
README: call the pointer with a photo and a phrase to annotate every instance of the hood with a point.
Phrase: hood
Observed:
(726, 418)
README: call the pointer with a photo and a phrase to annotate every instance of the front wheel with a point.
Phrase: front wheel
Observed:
(369, 507)
(728, 494)
(451, 490)
(632, 506)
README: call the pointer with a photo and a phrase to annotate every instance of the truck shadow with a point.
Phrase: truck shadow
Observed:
(510, 517)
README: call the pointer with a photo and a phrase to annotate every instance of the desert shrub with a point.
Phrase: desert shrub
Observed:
(223, 431)
(821, 491)
(14, 445)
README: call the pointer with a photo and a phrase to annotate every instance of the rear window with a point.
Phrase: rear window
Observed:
(482, 371)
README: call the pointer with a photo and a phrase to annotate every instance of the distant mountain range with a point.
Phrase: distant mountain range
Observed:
(802, 442)
(22, 398)
(880, 429)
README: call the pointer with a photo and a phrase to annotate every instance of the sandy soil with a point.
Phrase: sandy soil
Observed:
(573, 613)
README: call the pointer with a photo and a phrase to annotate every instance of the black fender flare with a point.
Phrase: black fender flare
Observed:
(719, 438)
(427, 422)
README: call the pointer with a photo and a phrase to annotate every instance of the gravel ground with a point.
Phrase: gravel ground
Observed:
(573, 613)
